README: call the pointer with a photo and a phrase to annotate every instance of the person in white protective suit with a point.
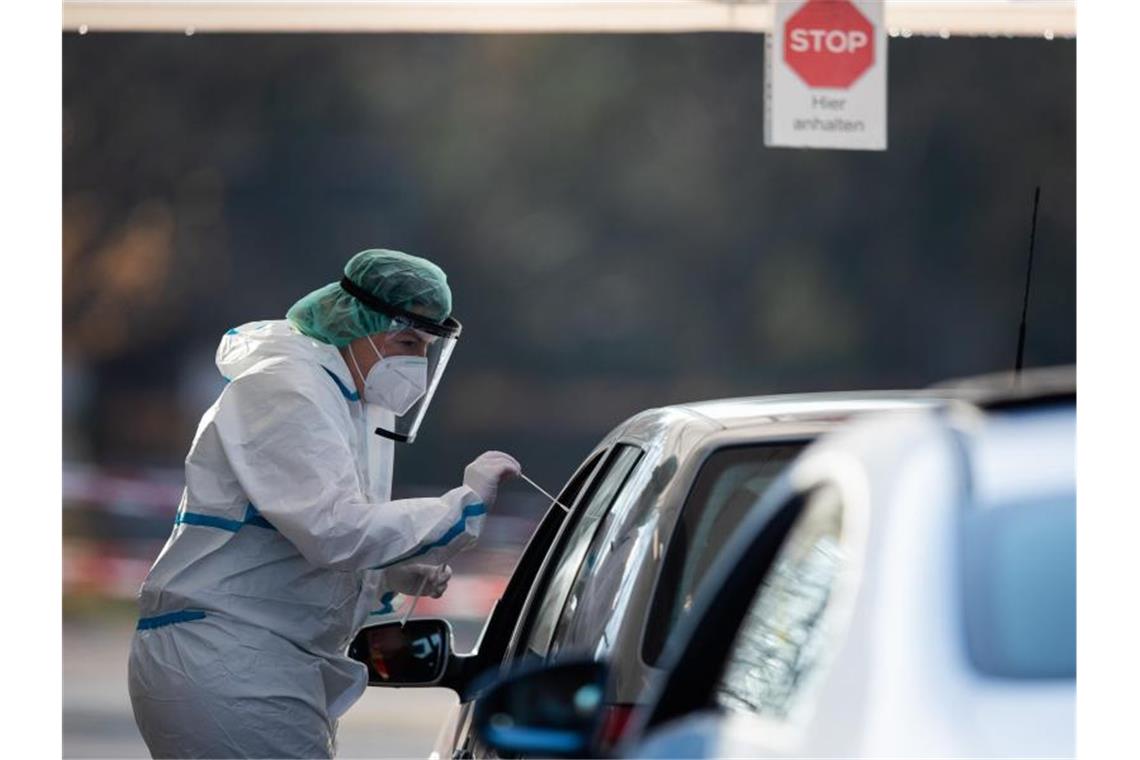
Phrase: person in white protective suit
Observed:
(286, 538)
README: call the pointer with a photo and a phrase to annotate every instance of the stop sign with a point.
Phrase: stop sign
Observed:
(829, 43)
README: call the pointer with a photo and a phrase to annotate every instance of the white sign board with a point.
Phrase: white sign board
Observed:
(825, 75)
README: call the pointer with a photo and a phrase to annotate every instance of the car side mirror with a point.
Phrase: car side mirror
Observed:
(414, 653)
(550, 712)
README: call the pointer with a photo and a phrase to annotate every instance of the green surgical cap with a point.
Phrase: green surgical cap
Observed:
(407, 282)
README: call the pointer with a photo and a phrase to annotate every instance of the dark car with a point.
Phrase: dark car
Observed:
(651, 509)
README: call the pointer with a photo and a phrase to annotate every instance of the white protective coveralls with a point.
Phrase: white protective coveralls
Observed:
(276, 557)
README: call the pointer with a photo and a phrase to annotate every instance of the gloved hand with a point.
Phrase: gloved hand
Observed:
(484, 475)
(406, 579)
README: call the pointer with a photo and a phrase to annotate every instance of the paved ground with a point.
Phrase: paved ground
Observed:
(97, 720)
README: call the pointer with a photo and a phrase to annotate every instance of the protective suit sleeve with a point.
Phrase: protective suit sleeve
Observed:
(285, 436)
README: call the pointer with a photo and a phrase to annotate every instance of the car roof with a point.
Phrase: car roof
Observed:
(768, 414)
(810, 407)
(993, 391)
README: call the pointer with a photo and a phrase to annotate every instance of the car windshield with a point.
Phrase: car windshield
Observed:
(729, 483)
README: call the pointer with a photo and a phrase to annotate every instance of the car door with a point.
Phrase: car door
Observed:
(496, 634)
(533, 635)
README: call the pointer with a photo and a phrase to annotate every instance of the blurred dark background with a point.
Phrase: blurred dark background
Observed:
(616, 235)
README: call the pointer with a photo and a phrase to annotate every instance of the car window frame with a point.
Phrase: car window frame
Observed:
(601, 533)
(491, 649)
(496, 634)
(559, 546)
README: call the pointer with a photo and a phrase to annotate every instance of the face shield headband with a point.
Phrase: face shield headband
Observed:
(442, 342)
(449, 328)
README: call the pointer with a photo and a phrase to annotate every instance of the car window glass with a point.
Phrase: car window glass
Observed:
(614, 556)
(1018, 544)
(565, 568)
(506, 612)
(781, 638)
(1019, 587)
(729, 483)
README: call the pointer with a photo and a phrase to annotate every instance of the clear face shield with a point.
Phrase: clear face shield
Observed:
(440, 340)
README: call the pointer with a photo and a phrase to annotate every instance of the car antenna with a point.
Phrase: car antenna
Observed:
(1025, 300)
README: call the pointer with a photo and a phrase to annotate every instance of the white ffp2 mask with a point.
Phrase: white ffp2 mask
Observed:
(394, 382)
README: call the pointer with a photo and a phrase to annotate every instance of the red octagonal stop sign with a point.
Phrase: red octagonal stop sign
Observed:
(829, 43)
